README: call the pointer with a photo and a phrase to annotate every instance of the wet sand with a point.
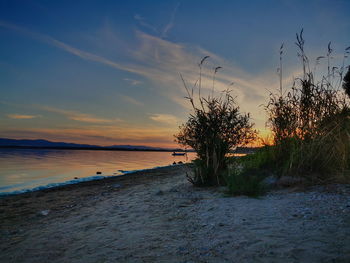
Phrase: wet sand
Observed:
(157, 216)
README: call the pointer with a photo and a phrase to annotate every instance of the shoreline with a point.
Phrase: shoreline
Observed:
(158, 216)
(82, 180)
(97, 148)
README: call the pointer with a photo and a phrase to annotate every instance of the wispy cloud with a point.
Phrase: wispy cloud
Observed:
(171, 22)
(133, 82)
(145, 24)
(165, 118)
(21, 116)
(81, 117)
(160, 32)
(68, 48)
(131, 100)
(162, 61)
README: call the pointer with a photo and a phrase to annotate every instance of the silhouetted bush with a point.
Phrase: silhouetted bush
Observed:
(215, 127)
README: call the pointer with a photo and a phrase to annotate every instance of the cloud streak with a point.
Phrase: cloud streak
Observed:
(131, 100)
(81, 117)
(164, 118)
(143, 23)
(133, 82)
(21, 116)
(161, 61)
(171, 23)
(68, 48)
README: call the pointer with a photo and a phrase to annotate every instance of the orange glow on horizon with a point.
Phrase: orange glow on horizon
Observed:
(108, 136)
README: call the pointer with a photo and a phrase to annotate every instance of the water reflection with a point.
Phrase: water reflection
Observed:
(26, 168)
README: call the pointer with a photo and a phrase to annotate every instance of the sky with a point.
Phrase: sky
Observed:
(108, 72)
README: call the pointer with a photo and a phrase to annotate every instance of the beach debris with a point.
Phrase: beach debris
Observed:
(76, 178)
(180, 162)
(44, 212)
(98, 172)
(174, 163)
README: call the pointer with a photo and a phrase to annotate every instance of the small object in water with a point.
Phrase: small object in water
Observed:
(98, 172)
(76, 178)
(175, 153)
(174, 162)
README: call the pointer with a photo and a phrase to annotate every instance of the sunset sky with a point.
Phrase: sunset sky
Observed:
(107, 72)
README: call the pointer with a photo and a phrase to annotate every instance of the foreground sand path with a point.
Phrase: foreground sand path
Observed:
(164, 219)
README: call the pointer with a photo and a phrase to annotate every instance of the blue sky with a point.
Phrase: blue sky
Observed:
(107, 72)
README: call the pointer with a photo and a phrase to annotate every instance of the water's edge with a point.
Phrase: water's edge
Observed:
(81, 180)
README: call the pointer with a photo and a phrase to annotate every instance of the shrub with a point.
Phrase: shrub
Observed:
(215, 127)
(241, 182)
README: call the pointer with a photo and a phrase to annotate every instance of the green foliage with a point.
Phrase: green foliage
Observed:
(215, 127)
(246, 173)
(260, 162)
(241, 182)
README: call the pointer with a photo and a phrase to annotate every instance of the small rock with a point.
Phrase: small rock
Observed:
(76, 178)
(44, 212)
(116, 185)
(98, 172)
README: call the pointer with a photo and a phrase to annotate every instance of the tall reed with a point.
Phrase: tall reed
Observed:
(310, 121)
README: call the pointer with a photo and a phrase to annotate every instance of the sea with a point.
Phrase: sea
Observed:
(23, 170)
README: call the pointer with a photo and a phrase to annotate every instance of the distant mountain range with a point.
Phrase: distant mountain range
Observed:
(44, 144)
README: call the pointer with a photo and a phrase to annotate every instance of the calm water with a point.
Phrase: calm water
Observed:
(28, 169)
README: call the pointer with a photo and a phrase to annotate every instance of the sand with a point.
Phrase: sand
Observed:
(157, 216)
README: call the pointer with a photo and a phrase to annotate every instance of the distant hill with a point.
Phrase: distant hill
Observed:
(44, 144)
(39, 143)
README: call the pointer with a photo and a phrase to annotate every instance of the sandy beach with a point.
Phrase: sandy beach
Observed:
(157, 216)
